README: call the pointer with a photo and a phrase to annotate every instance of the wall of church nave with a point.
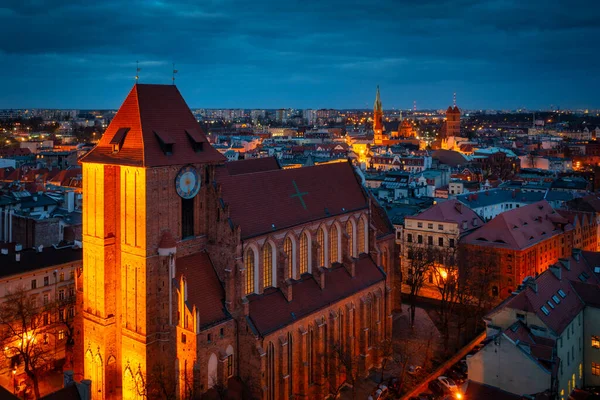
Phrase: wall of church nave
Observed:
(100, 358)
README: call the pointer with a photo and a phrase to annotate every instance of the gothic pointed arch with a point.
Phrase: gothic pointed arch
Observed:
(213, 378)
(269, 271)
(362, 235)
(305, 252)
(351, 237)
(335, 241)
(322, 246)
(251, 267)
(289, 249)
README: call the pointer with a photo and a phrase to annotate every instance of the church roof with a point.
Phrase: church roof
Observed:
(252, 165)
(271, 311)
(268, 201)
(204, 288)
(153, 127)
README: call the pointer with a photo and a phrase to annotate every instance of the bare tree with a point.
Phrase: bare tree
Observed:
(348, 365)
(24, 334)
(160, 383)
(420, 259)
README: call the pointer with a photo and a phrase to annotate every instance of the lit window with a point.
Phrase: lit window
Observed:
(321, 243)
(361, 236)
(596, 342)
(556, 299)
(550, 304)
(545, 310)
(267, 265)
(333, 244)
(230, 365)
(304, 253)
(289, 257)
(561, 293)
(595, 369)
(249, 272)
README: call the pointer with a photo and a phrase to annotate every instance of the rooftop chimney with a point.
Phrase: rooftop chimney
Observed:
(458, 206)
(556, 270)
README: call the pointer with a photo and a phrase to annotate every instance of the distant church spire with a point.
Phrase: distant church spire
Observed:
(377, 107)
(378, 118)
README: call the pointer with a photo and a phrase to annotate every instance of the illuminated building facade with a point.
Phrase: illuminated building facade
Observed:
(197, 271)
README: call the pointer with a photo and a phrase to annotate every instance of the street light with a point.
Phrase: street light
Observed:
(14, 371)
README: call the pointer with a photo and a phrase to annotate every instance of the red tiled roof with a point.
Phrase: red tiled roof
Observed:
(589, 293)
(518, 228)
(271, 311)
(380, 219)
(252, 165)
(267, 201)
(539, 347)
(451, 211)
(147, 110)
(204, 288)
(63, 178)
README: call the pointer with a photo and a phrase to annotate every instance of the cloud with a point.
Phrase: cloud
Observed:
(255, 54)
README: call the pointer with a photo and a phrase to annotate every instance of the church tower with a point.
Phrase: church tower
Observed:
(378, 120)
(144, 189)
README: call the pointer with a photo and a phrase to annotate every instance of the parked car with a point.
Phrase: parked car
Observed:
(381, 393)
(414, 369)
(438, 388)
(448, 383)
(462, 366)
(456, 375)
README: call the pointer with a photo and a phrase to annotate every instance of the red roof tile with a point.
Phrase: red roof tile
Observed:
(475, 390)
(205, 289)
(267, 201)
(518, 228)
(252, 165)
(271, 311)
(147, 111)
(451, 211)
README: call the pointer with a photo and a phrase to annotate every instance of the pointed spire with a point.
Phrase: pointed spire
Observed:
(377, 106)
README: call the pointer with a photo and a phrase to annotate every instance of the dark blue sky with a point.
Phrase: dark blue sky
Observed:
(305, 54)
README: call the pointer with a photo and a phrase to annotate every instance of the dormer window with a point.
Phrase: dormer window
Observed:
(166, 142)
(118, 140)
(196, 139)
(545, 310)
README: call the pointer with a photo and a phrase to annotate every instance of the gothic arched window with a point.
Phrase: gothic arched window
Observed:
(321, 243)
(350, 234)
(249, 263)
(288, 249)
(361, 236)
(267, 265)
(304, 253)
(333, 244)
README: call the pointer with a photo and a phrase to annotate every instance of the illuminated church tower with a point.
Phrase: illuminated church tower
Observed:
(378, 120)
(143, 190)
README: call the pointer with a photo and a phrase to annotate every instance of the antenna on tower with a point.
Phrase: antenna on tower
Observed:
(174, 72)
(414, 105)
(137, 71)
(454, 99)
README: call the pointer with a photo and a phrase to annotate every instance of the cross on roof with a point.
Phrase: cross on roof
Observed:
(299, 194)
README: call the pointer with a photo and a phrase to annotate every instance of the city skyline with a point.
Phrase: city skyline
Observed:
(493, 54)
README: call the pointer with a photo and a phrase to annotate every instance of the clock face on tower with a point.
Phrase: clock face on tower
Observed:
(187, 182)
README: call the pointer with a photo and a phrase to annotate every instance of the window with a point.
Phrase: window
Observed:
(451, 243)
(183, 338)
(304, 253)
(556, 299)
(409, 238)
(550, 304)
(521, 317)
(430, 240)
(545, 310)
(249, 272)
(61, 334)
(61, 294)
(46, 281)
(187, 217)
(71, 292)
(596, 342)
(71, 274)
(595, 369)
(420, 239)
(34, 283)
(440, 227)
(419, 224)
(61, 277)
(349, 233)
(209, 338)
(267, 265)
(429, 226)
(71, 313)
(46, 319)
(561, 293)
(333, 244)
(61, 314)
(289, 257)
(230, 365)
(440, 242)
(362, 248)
(45, 298)
(321, 249)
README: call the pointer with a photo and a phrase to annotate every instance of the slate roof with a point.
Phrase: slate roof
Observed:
(150, 113)
(205, 289)
(518, 228)
(268, 201)
(451, 211)
(31, 260)
(270, 311)
(540, 348)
